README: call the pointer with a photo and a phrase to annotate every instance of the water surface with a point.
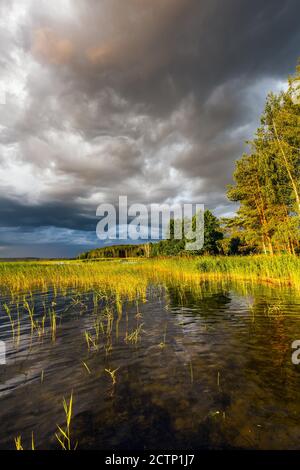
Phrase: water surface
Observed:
(195, 369)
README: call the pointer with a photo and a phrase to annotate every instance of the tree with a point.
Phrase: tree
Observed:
(212, 234)
(267, 180)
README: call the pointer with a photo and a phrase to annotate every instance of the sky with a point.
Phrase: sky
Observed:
(152, 99)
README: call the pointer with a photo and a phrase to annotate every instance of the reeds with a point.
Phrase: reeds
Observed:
(12, 323)
(129, 281)
(112, 374)
(86, 367)
(30, 309)
(64, 434)
(52, 316)
(90, 341)
(18, 443)
(135, 335)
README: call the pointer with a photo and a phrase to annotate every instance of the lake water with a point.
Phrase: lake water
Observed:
(193, 369)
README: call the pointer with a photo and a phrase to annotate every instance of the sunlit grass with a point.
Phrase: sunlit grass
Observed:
(130, 280)
(109, 285)
(18, 443)
(113, 375)
(64, 434)
(135, 335)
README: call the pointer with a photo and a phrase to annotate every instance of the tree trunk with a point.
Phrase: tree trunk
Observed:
(286, 162)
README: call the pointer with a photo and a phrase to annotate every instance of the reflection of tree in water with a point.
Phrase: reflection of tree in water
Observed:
(251, 343)
(267, 381)
(271, 334)
(202, 301)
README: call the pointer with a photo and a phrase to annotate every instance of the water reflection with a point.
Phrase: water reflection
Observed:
(206, 366)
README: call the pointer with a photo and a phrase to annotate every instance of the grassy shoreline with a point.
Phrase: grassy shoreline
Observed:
(131, 277)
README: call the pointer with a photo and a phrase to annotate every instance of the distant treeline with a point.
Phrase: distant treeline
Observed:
(266, 185)
(213, 236)
(118, 251)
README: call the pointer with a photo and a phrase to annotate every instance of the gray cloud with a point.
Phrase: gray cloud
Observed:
(150, 98)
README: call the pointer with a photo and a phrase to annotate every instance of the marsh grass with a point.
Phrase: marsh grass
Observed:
(163, 343)
(122, 280)
(274, 310)
(11, 320)
(98, 329)
(111, 286)
(86, 367)
(18, 443)
(279, 269)
(135, 335)
(64, 434)
(30, 310)
(52, 316)
(90, 341)
(113, 375)
(40, 327)
(114, 284)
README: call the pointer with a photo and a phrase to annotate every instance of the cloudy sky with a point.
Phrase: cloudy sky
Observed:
(147, 98)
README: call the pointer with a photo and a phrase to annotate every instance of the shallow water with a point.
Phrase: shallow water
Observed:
(209, 368)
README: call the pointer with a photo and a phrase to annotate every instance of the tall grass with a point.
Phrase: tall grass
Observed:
(283, 270)
(276, 269)
(130, 280)
(64, 434)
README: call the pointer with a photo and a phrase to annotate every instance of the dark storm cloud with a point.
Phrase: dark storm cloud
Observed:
(14, 214)
(149, 98)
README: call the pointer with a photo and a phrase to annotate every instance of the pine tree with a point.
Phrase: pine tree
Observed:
(267, 180)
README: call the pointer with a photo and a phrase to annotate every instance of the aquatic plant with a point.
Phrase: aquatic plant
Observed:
(112, 374)
(18, 443)
(12, 323)
(135, 335)
(52, 315)
(162, 344)
(30, 310)
(129, 281)
(86, 367)
(64, 434)
(91, 341)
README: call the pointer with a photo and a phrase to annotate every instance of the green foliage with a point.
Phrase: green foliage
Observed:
(117, 251)
(267, 179)
(212, 234)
